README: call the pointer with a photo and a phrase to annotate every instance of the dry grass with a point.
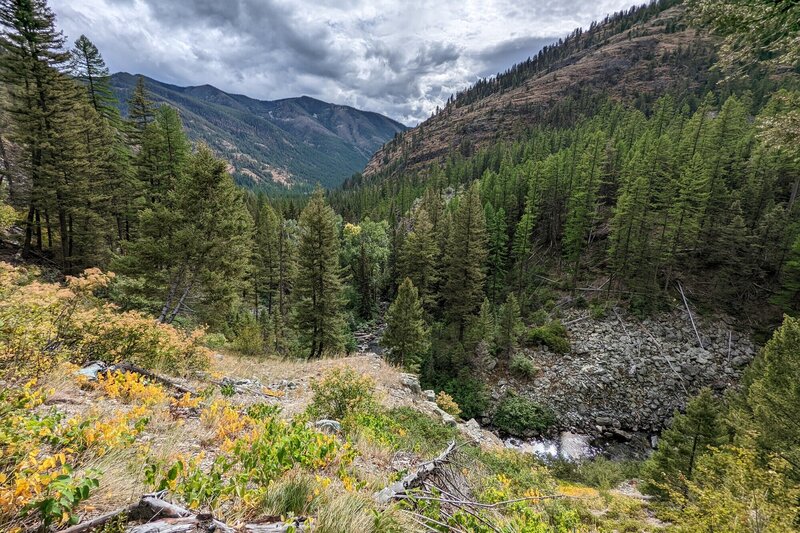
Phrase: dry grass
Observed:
(271, 372)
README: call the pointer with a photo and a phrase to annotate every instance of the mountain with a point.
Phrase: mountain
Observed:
(294, 142)
(632, 56)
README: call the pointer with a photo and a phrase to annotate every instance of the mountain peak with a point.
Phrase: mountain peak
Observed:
(294, 142)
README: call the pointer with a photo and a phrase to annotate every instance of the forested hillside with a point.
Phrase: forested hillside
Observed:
(633, 56)
(619, 268)
(272, 145)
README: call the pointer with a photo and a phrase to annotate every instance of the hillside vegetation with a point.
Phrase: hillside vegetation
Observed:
(227, 374)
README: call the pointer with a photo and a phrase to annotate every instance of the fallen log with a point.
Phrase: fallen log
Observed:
(92, 369)
(161, 516)
(416, 478)
(150, 506)
(187, 524)
(691, 318)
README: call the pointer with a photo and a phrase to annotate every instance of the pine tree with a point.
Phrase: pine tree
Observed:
(163, 155)
(481, 329)
(419, 259)
(583, 203)
(31, 56)
(465, 259)
(192, 252)
(497, 236)
(318, 286)
(141, 110)
(522, 250)
(630, 245)
(266, 259)
(689, 436)
(283, 335)
(87, 65)
(509, 325)
(406, 337)
(684, 215)
(772, 396)
(789, 296)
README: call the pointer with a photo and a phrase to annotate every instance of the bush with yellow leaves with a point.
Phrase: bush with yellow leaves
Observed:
(130, 387)
(447, 404)
(43, 324)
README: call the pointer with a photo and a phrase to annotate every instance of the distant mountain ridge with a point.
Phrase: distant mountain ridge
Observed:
(293, 142)
(634, 55)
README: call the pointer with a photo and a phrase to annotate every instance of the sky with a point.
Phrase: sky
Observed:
(400, 58)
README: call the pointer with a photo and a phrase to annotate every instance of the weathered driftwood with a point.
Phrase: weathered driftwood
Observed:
(416, 478)
(149, 506)
(187, 524)
(160, 516)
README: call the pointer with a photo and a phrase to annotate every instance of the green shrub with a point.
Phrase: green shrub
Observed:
(341, 392)
(598, 310)
(401, 428)
(522, 366)
(598, 472)
(263, 411)
(447, 404)
(525, 473)
(539, 317)
(421, 433)
(249, 340)
(553, 335)
(517, 415)
(469, 393)
(215, 341)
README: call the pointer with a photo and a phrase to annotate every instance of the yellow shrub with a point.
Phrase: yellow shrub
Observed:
(39, 448)
(130, 387)
(43, 324)
(226, 422)
(187, 401)
(447, 404)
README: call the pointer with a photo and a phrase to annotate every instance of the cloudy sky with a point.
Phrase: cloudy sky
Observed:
(397, 57)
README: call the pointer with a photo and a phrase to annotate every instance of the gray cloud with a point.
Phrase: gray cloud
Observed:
(400, 58)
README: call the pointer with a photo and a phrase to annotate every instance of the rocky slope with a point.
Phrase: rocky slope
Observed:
(624, 378)
(290, 142)
(641, 62)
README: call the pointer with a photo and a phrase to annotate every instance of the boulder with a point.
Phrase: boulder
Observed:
(429, 395)
(473, 431)
(411, 382)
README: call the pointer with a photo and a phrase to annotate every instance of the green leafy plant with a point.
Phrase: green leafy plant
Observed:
(522, 366)
(63, 494)
(227, 389)
(341, 392)
(553, 334)
(518, 415)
